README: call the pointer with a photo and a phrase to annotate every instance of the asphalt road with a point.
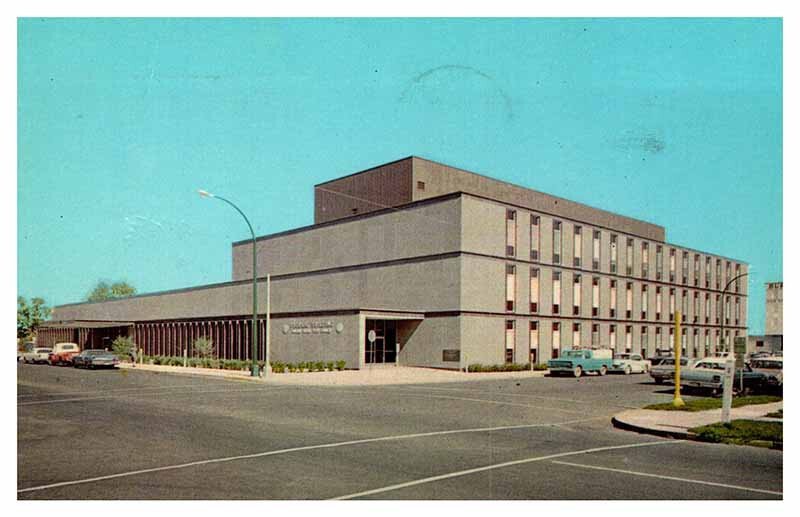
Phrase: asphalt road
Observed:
(125, 434)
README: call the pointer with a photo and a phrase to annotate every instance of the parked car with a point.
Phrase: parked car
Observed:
(664, 370)
(62, 353)
(772, 367)
(578, 361)
(95, 359)
(36, 355)
(708, 374)
(629, 363)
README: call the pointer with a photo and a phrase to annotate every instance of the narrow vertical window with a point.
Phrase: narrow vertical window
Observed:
(708, 344)
(643, 343)
(577, 246)
(736, 282)
(672, 305)
(696, 269)
(672, 264)
(659, 303)
(629, 258)
(696, 311)
(717, 309)
(708, 308)
(683, 341)
(510, 340)
(737, 313)
(596, 250)
(511, 232)
(685, 268)
(628, 338)
(556, 292)
(576, 295)
(645, 259)
(534, 341)
(613, 253)
(708, 271)
(576, 335)
(511, 286)
(658, 338)
(612, 336)
(727, 310)
(659, 262)
(685, 305)
(534, 290)
(671, 340)
(612, 311)
(556, 242)
(535, 233)
(695, 343)
(727, 273)
(595, 335)
(629, 300)
(644, 302)
(595, 296)
(719, 274)
(555, 339)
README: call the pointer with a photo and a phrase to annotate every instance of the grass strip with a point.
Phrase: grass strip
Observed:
(742, 432)
(703, 404)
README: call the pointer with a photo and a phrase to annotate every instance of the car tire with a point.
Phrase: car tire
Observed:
(603, 371)
(659, 380)
(628, 370)
(577, 371)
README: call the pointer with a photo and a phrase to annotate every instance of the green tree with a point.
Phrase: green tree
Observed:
(30, 315)
(105, 291)
(204, 347)
(122, 347)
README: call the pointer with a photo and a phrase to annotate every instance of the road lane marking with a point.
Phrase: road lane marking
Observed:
(498, 466)
(298, 449)
(672, 478)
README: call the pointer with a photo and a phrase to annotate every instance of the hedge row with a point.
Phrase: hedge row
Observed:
(508, 367)
(238, 364)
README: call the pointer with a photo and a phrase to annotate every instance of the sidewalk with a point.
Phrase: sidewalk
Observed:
(370, 376)
(676, 424)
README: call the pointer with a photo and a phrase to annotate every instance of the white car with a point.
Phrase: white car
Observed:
(36, 355)
(629, 363)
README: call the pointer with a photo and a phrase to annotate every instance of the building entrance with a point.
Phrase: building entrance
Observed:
(384, 348)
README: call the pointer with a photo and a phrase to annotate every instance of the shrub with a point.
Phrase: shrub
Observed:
(330, 365)
(278, 367)
(122, 347)
(340, 365)
(176, 361)
(203, 347)
(319, 366)
(540, 366)
(193, 362)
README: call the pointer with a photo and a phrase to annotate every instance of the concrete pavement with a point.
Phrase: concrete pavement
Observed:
(676, 424)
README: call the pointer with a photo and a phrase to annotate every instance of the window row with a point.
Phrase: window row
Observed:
(705, 307)
(701, 265)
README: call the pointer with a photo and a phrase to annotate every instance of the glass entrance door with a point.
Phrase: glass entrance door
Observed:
(382, 349)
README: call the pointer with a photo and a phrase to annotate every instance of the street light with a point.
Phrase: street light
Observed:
(254, 365)
(722, 309)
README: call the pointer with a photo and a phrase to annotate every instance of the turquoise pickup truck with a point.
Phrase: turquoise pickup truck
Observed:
(577, 362)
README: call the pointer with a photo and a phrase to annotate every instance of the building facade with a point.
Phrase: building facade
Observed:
(772, 340)
(442, 268)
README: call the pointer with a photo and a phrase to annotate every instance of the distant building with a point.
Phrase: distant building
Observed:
(424, 264)
(772, 340)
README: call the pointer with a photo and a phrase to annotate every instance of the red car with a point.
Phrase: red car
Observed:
(62, 353)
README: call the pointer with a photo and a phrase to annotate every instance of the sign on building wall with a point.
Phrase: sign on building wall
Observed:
(313, 327)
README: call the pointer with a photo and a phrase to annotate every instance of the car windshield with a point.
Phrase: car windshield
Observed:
(572, 353)
(770, 365)
(95, 352)
(43, 350)
(622, 356)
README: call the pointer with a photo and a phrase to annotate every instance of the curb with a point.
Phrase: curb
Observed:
(678, 435)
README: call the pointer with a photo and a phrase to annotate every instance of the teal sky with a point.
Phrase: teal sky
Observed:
(674, 121)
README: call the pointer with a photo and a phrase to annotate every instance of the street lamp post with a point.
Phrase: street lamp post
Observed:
(254, 364)
(722, 309)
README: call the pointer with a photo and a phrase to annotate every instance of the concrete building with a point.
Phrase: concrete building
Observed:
(448, 268)
(772, 340)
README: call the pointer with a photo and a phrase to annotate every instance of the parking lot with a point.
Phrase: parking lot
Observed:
(128, 434)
